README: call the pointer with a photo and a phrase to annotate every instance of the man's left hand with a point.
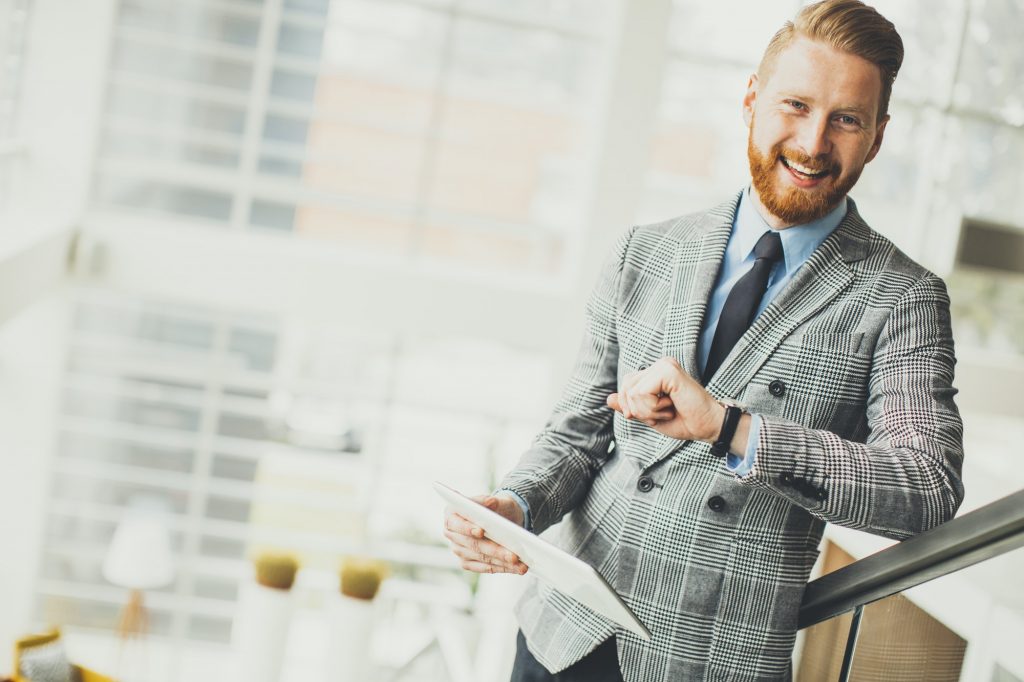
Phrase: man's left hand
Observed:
(667, 399)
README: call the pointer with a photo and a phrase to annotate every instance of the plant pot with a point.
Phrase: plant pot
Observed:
(351, 629)
(259, 634)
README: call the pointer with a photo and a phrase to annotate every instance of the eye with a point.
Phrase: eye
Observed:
(849, 121)
(796, 104)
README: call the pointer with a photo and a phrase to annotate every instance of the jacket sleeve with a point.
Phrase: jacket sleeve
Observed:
(906, 477)
(555, 474)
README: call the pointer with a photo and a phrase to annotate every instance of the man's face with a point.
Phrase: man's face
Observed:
(813, 125)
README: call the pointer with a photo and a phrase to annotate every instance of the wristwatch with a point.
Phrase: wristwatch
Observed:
(720, 448)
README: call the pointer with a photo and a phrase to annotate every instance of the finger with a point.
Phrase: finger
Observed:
(465, 554)
(479, 566)
(488, 549)
(626, 393)
(476, 545)
(614, 402)
(664, 403)
(460, 524)
(631, 398)
(621, 402)
(466, 550)
(488, 502)
(470, 554)
(482, 567)
(643, 404)
(646, 394)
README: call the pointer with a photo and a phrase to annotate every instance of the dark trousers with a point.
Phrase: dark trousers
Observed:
(600, 665)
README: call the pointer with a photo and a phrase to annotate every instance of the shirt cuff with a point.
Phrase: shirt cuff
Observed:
(741, 466)
(527, 524)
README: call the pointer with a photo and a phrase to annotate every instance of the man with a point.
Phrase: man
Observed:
(835, 347)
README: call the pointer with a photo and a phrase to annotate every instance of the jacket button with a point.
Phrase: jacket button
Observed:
(716, 503)
(645, 484)
(821, 494)
(786, 478)
(777, 388)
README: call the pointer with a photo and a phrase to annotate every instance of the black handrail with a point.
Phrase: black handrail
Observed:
(982, 534)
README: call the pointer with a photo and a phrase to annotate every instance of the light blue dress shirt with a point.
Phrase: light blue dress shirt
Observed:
(798, 243)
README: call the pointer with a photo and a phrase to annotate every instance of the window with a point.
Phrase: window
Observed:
(14, 19)
(951, 149)
(439, 131)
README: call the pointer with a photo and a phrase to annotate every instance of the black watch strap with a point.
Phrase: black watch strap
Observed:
(720, 448)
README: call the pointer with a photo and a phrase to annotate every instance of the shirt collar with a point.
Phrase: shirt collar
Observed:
(798, 242)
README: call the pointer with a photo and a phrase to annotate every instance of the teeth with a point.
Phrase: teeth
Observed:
(803, 169)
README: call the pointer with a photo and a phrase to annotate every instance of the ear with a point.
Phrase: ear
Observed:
(749, 99)
(877, 144)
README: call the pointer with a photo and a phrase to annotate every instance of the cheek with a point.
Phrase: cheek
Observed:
(761, 139)
(854, 156)
(770, 132)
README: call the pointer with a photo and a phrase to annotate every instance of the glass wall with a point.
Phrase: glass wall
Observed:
(952, 148)
(446, 131)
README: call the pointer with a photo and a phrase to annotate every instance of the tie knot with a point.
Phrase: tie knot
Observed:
(769, 246)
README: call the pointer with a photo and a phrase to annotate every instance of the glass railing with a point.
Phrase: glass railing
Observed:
(947, 604)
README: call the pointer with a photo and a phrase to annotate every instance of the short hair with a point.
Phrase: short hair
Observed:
(849, 26)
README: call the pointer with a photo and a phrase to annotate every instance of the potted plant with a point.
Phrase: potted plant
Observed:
(260, 630)
(351, 618)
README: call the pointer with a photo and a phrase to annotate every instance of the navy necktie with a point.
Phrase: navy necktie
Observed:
(743, 301)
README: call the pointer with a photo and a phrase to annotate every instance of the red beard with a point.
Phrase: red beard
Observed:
(793, 205)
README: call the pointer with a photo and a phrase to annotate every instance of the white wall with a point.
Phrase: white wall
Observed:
(32, 351)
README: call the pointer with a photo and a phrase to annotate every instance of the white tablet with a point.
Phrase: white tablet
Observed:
(559, 569)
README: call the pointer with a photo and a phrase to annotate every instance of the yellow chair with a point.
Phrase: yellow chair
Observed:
(25, 645)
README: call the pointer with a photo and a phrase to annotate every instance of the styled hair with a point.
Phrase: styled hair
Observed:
(849, 26)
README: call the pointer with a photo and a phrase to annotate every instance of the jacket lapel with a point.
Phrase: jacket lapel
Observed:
(824, 276)
(697, 261)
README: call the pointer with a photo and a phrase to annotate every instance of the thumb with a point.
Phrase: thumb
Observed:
(613, 402)
(488, 501)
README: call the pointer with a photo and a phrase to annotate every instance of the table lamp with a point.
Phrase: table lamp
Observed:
(139, 558)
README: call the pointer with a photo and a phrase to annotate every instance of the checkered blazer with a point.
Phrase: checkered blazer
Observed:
(851, 368)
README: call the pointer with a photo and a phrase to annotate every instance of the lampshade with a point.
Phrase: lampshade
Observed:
(139, 556)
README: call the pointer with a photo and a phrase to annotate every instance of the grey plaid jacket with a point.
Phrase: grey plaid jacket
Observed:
(851, 368)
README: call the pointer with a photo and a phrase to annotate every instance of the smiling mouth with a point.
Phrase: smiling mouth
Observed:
(803, 171)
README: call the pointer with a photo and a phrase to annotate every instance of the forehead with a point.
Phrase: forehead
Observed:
(816, 70)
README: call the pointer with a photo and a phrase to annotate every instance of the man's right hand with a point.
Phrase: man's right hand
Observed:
(476, 552)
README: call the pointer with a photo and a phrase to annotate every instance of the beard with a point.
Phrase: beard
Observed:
(790, 204)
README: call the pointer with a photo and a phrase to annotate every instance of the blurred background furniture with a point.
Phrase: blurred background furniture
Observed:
(41, 658)
(139, 558)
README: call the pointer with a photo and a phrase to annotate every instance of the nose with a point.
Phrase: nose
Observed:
(813, 136)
